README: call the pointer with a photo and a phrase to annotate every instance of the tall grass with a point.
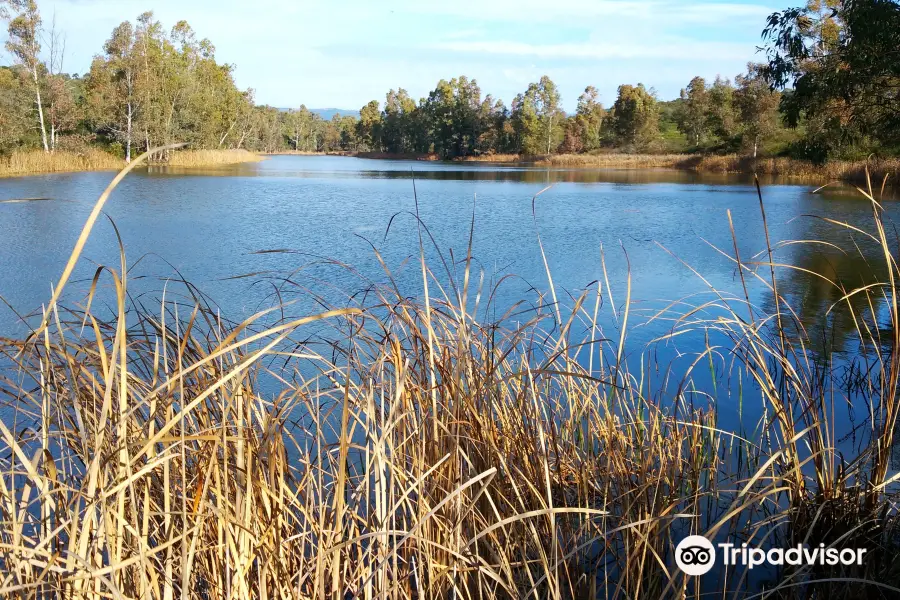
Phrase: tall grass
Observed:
(209, 158)
(616, 160)
(36, 161)
(414, 451)
(833, 170)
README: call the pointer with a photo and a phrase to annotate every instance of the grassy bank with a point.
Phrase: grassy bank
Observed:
(306, 153)
(34, 162)
(835, 170)
(609, 160)
(413, 451)
(396, 156)
(850, 171)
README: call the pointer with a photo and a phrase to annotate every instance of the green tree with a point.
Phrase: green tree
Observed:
(24, 44)
(300, 128)
(758, 107)
(15, 112)
(635, 116)
(840, 59)
(399, 122)
(111, 88)
(589, 117)
(694, 116)
(452, 113)
(494, 122)
(538, 119)
(722, 119)
(369, 127)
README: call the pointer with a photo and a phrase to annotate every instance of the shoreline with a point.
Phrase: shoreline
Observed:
(36, 162)
(784, 167)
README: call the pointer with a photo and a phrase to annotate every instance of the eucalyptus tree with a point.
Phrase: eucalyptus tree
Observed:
(693, 116)
(399, 122)
(452, 113)
(757, 104)
(15, 109)
(24, 30)
(589, 116)
(840, 61)
(538, 118)
(369, 127)
(722, 117)
(636, 115)
(112, 87)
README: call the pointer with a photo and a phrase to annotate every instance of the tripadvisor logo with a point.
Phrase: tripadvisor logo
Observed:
(696, 555)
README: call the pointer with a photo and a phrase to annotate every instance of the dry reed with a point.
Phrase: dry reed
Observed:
(416, 452)
(35, 162)
(833, 170)
(211, 158)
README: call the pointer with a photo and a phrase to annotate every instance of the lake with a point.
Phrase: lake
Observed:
(211, 225)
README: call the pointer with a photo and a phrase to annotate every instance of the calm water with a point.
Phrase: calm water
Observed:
(211, 225)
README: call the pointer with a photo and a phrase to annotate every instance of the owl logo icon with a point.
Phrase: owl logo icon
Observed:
(695, 555)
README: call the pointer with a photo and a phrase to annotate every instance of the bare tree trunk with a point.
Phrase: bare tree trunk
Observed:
(224, 137)
(128, 121)
(550, 134)
(37, 89)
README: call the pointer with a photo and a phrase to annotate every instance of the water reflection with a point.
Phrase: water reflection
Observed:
(355, 168)
(818, 286)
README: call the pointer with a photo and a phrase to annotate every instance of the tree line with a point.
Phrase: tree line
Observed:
(829, 88)
(455, 121)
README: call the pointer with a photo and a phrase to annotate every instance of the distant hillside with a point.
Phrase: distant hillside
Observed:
(327, 113)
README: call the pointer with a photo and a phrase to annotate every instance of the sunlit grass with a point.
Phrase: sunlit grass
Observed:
(208, 158)
(615, 160)
(415, 451)
(833, 170)
(32, 162)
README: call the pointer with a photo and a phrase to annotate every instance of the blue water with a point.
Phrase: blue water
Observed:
(210, 226)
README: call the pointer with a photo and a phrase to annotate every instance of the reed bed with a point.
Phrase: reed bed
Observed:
(496, 158)
(614, 160)
(210, 158)
(833, 170)
(412, 450)
(36, 161)
(309, 153)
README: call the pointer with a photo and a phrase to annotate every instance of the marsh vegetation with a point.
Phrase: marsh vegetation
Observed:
(411, 448)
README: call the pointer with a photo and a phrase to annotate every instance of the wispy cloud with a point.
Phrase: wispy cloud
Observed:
(666, 11)
(673, 50)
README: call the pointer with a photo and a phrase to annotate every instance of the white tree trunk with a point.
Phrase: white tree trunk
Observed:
(128, 122)
(40, 107)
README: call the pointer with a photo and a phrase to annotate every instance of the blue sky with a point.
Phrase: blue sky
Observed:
(343, 53)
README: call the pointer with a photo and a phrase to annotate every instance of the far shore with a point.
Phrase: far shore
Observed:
(836, 170)
(36, 162)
